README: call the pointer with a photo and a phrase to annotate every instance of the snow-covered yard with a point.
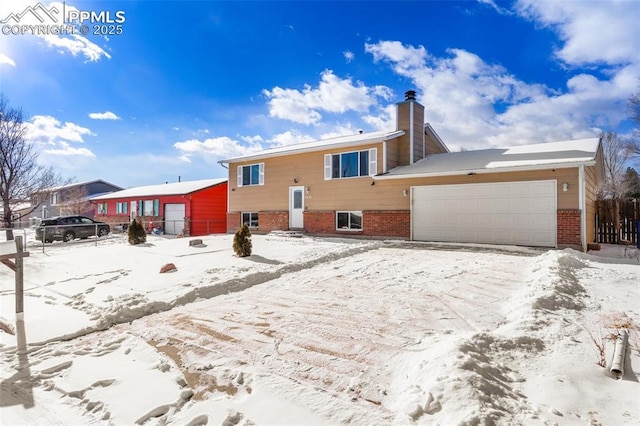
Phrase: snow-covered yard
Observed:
(318, 331)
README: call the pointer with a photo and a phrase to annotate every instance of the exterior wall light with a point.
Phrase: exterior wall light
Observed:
(404, 192)
(565, 186)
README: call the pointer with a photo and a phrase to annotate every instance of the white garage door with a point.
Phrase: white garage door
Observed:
(174, 218)
(519, 213)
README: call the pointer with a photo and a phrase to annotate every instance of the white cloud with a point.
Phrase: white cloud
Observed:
(220, 147)
(4, 59)
(54, 137)
(64, 149)
(107, 115)
(290, 137)
(591, 31)
(333, 94)
(349, 56)
(473, 104)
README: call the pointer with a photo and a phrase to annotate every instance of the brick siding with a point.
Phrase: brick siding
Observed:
(569, 229)
(387, 223)
(267, 221)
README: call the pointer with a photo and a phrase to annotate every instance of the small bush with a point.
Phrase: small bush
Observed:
(136, 232)
(242, 241)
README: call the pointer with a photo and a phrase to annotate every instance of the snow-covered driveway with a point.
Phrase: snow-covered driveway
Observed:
(319, 331)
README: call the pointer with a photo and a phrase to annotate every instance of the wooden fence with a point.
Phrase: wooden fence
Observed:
(616, 221)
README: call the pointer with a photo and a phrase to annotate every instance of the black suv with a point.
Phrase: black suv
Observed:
(68, 228)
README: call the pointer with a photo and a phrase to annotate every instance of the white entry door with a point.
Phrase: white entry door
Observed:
(133, 211)
(296, 207)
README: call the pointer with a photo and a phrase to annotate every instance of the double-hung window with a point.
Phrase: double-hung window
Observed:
(103, 208)
(351, 164)
(251, 175)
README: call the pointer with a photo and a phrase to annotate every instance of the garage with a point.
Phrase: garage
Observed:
(174, 215)
(518, 213)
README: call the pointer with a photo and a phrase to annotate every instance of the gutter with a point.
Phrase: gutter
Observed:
(484, 171)
(324, 147)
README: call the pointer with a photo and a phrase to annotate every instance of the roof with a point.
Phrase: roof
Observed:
(321, 144)
(71, 185)
(176, 188)
(525, 157)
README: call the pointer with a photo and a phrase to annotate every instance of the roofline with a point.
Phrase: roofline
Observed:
(73, 184)
(488, 171)
(432, 132)
(112, 195)
(258, 156)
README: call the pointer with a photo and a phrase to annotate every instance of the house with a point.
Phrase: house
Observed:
(19, 215)
(405, 183)
(189, 208)
(68, 199)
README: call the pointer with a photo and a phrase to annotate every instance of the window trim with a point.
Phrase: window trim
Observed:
(242, 222)
(240, 175)
(372, 167)
(122, 207)
(103, 208)
(350, 229)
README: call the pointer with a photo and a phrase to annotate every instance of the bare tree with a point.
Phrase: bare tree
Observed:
(616, 156)
(633, 106)
(20, 174)
(75, 200)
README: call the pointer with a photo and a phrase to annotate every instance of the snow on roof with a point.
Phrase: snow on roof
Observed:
(73, 184)
(317, 145)
(559, 154)
(175, 188)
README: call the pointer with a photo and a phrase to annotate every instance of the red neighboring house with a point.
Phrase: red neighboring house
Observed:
(188, 208)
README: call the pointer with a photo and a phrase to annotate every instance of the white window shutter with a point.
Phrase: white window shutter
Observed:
(261, 169)
(239, 175)
(373, 162)
(327, 167)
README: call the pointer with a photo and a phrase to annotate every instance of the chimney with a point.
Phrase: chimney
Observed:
(410, 118)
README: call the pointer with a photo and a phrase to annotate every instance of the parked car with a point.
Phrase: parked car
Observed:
(68, 228)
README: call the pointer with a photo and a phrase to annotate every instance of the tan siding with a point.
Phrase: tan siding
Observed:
(590, 193)
(392, 154)
(418, 132)
(433, 147)
(359, 193)
(404, 141)
(308, 169)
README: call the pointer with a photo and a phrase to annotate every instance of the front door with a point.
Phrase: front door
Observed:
(296, 207)
(133, 211)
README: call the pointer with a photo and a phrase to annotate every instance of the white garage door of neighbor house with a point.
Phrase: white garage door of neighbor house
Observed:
(174, 218)
(519, 213)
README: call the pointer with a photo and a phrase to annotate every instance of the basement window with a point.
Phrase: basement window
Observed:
(250, 218)
(349, 221)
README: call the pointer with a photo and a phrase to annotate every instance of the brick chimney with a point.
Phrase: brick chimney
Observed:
(410, 118)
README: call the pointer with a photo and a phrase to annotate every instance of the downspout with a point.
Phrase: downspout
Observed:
(617, 364)
(582, 206)
(411, 215)
(228, 191)
(384, 156)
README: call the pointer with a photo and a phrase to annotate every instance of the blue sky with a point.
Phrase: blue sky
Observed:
(187, 84)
